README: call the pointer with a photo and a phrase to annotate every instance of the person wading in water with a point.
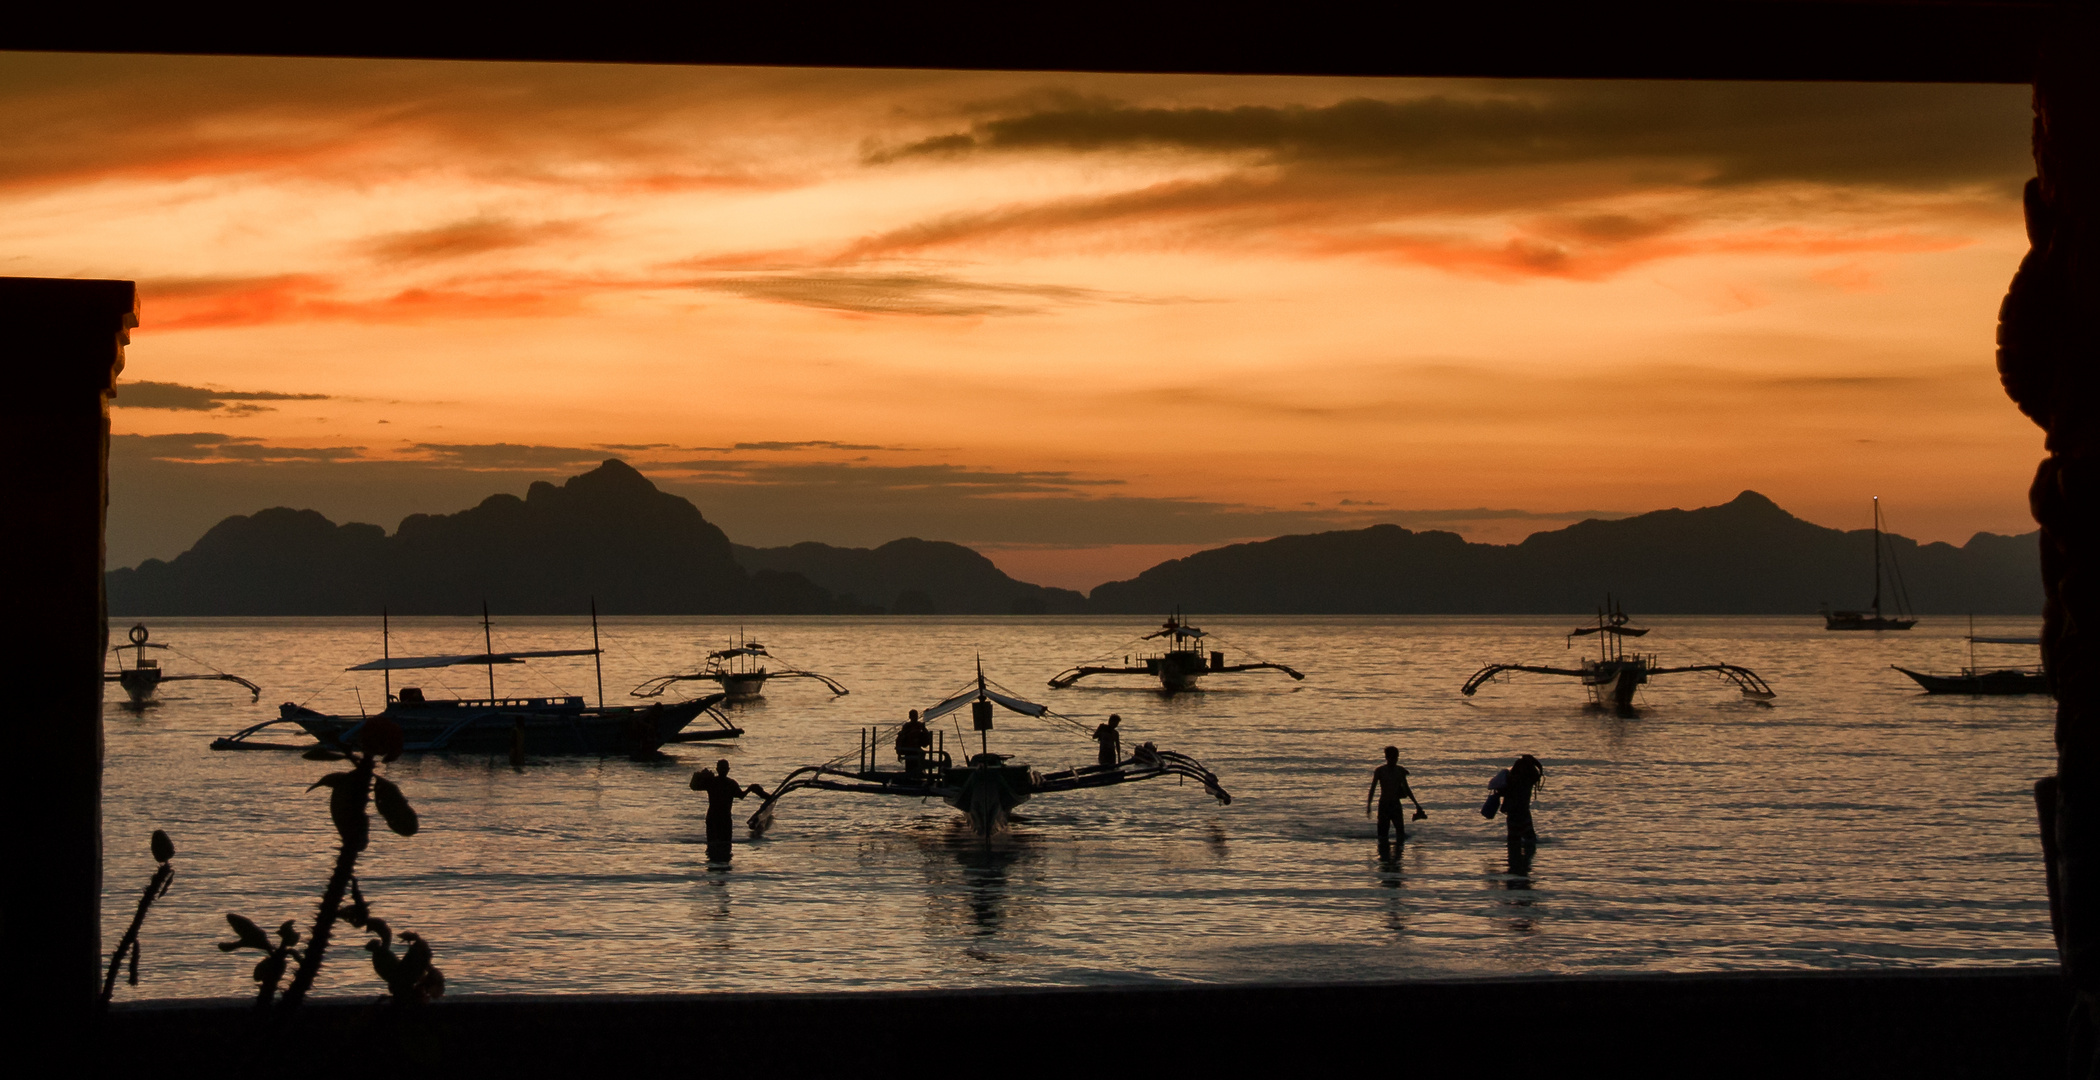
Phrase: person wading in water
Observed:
(722, 794)
(1111, 741)
(1389, 784)
(1524, 775)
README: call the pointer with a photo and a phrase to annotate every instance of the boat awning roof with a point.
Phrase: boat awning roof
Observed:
(404, 663)
(1025, 708)
(2006, 640)
(745, 650)
(1629, 631)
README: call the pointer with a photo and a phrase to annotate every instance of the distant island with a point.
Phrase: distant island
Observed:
(610, 534)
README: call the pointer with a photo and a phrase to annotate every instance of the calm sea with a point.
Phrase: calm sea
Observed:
(1855, 823)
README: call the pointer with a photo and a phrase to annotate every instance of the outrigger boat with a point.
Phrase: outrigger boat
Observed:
(560, 724)
(1613, 676)
(2032, 679)
(1862, 620)
(144, 676)
(740, 670)
(1178, 666)
(988, 786)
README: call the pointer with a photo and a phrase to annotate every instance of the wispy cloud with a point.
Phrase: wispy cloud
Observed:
(890, 293)
(166, 395)
(474, 236)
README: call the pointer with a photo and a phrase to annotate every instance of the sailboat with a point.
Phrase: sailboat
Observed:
(1874, 619)
(1997, 681)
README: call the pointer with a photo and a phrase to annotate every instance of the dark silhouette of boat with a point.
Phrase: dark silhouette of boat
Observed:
(740, 670)
(2006, 681)
(549, 725)
(987, 786)
(1185, 659)
(145, 676)
(1873, 619)
(1614, 674)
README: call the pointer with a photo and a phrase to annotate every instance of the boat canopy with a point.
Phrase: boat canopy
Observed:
(1177, 631)
(2006, 640)
(753, 649)
(1025, 708)
(403, 663)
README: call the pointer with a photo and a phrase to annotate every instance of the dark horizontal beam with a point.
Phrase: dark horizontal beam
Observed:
(1889, 40)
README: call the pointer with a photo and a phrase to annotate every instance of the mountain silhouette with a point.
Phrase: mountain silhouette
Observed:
(608, 534)
(914, 577)
(1746, 556)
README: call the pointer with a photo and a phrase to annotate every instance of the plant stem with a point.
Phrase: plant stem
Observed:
(332, 896)
(130, 941)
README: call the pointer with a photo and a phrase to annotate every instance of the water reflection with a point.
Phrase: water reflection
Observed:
(971, 883)
(1514, 878)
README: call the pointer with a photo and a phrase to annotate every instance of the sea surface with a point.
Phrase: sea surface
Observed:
(1855, 823)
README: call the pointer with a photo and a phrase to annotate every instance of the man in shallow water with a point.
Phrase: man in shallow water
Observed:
(1389, 784)
(1111, 741)
(722, 793)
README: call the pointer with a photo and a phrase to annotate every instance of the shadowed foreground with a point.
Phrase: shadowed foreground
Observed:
(1939, 1023)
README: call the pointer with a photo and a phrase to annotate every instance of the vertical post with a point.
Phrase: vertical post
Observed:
(597, 653)
(386, 653)
(488, 645)
(1877, 558)
(63, 347)
(2049, 364)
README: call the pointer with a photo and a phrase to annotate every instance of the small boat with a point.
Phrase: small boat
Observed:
(549, 725)
(1612, 677)
(740, 670)
(145, 676)
(1873, 619)
(2007, 681)
(1185, 659)
(987, 786)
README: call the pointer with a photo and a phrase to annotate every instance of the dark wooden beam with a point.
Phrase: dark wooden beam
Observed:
(61, 344)
(1902, 40)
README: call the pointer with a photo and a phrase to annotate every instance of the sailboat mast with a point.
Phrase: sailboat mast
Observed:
(597, 653)
(1877, 556)
(386, 652)
(488, 644)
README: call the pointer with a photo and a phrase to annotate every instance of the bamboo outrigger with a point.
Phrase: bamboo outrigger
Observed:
(1178, 666)
(144, 676)
(1613, 676)
(987, 786)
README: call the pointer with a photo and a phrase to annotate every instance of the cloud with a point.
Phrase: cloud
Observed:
(879, 293)
(164, 395)
(1924, 136)
(506, 456)
(473, 236)
(210, 303)
(203, 446)
(808, 444)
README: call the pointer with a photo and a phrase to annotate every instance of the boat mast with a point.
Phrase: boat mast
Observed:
(597, 653)
(386, 652)
(1877, 556)
(488, 643)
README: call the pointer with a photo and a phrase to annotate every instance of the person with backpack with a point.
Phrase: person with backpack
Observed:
(1510, 793)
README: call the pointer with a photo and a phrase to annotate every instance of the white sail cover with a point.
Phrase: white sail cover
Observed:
(1025, 708)
(404, 663)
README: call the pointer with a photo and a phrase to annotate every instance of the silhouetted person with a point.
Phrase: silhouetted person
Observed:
(1524, 775)
(722, 793)
(1110, 739)
(913, 740)
(1389, 784)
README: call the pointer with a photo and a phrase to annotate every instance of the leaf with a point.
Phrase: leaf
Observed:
(399, 816)
(384, 962)
(163, 848)
(379, 926)
(250, 935)
(288, 934)
(346, 805)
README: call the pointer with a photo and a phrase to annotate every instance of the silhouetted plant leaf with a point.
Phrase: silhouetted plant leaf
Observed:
(288, 934)
(381, 736)
(399, 816)
(384, 962)
(163, 848)
(346, 806)
(250, 935)
(379, 926)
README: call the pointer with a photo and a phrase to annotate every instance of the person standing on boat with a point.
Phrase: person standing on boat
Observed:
(1389, 784)
(1524, 775)
(913, 741)
(1111, 741)
(722, 793)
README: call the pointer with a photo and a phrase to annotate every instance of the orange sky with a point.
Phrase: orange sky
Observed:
(1080, 322)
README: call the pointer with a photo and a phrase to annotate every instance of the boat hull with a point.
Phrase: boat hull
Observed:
(2003, 683)
(1179, 671)
(986, 794)
(139, 683)
(743, 687)
(547, 726)
(1854, 620)
(1611, 683)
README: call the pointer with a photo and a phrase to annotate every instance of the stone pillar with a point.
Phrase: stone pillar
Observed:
(61, 346)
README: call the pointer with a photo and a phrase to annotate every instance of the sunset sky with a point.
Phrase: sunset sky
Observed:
(1080, 322)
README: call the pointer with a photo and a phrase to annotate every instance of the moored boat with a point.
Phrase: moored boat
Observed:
(1994, 682)
(740, 670)
(1184, 658)
(1873, 619)
(1614, 674)
(144, 677)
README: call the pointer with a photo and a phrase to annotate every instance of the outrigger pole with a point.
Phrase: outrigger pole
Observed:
(597, 653)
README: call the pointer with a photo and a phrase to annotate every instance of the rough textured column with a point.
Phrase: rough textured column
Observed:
(2049, 361)
(61, 346)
